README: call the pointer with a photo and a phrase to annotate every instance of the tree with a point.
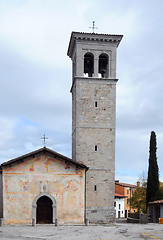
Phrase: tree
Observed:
(159, 195)
(138, 199)
(153, 175)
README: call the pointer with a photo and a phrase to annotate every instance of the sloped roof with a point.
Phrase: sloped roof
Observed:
(119, 195)
(125, 184)
(43, 150)
(156, 202)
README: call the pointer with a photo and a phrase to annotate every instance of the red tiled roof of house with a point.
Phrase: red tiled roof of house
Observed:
(119, 195)
(125, 184)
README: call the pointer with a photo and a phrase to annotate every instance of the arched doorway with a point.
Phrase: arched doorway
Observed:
(44, 213)
(44, 209)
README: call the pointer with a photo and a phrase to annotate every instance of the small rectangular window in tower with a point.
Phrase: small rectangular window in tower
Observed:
(96, 148)
(95, 104)
(95, 188)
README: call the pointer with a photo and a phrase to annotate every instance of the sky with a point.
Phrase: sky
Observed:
(35, 76)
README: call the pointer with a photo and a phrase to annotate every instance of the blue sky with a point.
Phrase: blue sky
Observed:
(35, 76)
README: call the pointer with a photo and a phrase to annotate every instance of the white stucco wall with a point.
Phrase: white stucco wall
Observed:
(120, 207)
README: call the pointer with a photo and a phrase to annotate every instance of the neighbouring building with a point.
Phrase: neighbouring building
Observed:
(43, 186)
(156, 210)
(127, 190)
(119, 204)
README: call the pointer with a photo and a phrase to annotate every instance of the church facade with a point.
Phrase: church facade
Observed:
(47, 187)
(43, 187)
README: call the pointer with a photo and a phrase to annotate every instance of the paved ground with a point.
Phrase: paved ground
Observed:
(50, 232)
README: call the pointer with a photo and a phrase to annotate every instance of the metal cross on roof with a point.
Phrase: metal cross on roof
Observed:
(44, 138)
(93, 27)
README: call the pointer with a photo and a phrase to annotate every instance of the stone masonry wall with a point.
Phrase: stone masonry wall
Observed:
(94, 125)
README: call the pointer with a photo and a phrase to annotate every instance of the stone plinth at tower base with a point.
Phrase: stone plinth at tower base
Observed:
(101, 215)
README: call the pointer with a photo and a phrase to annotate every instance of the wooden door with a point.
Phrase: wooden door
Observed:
(44, 210)
(125, 213)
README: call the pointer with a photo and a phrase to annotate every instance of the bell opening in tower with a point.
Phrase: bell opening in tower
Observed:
(103, 65)
(88, 64)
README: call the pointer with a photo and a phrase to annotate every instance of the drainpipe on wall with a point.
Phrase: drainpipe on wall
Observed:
(86, 221)
(130, 199)
(85, 200)
(1, 197)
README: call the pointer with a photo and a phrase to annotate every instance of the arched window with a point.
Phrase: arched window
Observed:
(103, 68)
(89, 64)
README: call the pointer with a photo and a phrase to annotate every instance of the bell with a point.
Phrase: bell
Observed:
(102, 70)
(86, 69)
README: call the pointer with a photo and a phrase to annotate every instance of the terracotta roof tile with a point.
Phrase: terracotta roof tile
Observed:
(119, 195)
(125, 184)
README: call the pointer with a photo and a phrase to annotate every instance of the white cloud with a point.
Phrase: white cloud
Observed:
(7, 127)
(40, 31)
(35, 75)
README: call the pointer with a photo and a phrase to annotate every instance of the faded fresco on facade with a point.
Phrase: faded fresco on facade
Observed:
(43, 174)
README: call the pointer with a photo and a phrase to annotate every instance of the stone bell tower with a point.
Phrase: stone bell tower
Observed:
(93, 118)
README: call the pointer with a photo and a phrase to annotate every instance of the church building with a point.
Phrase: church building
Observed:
(46, 187)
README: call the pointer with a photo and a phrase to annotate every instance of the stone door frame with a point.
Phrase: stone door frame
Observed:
(34, 207)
